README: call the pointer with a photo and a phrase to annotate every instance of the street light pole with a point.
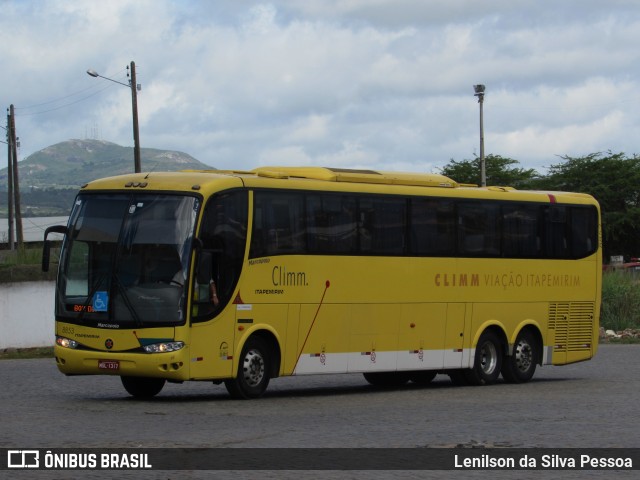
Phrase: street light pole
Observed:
(479, 92)
(134, 105)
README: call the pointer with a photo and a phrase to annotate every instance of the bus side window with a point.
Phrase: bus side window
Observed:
(583, 231)
(278, 224)
(521, 231)
(223, 235)
(432, 227)
(332, 226)
(556, 245)
(479, 232)
(382, 226)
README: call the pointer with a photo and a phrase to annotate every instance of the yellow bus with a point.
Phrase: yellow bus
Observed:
(243, 276)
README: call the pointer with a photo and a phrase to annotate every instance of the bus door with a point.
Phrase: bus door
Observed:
(216, 309)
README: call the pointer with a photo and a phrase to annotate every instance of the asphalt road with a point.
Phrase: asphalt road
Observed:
(590, 404)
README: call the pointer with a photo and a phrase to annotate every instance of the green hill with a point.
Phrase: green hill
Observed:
(50, 178)
(75, 162)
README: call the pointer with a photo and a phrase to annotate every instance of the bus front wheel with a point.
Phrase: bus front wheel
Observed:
(142, 387)
(520, 366)
(252, 378)
(488, 360)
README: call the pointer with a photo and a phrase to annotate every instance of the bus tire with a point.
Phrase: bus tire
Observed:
(488, 360)
(520, 366)
(142, 387)
(422, 377)
(386, 379)
(252, 378)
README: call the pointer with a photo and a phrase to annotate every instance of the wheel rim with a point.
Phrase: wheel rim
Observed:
(488, 358)
(253, 368)
(523, 356)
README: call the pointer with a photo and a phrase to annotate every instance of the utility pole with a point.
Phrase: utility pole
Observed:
(11, 239)
(136, 133)
(134, 105)
(16, 182)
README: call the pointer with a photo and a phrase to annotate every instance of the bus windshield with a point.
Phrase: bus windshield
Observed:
(126, 260)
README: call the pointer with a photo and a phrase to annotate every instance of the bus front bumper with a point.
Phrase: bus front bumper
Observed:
(169, 365)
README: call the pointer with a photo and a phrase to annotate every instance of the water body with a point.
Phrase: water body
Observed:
(26, 314)
(32, 228)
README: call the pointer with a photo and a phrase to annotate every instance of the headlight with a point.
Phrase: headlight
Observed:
(66, 342)
(163, 347)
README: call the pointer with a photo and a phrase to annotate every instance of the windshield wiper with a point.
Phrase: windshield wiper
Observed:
(123, 293)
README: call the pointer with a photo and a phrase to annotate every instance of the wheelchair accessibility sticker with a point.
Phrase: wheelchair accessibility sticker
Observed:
(100, 301)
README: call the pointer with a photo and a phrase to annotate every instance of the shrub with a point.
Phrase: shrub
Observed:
(620, 300)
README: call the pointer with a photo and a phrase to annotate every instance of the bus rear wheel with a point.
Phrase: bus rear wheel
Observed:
(488, 360)
(520, 366)
(252, 378)
(142, 387)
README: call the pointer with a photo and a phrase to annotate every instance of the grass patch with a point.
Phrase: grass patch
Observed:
(17, 353)
(620, 301)
(25, 265)
(23, 256)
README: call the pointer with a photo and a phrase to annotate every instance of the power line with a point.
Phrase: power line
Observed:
(22, 112)
(57, 99)
(65, 105)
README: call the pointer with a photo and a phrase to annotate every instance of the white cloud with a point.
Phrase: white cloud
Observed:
(575, 139)
(350, 155)
(285, 156)
(312, 128)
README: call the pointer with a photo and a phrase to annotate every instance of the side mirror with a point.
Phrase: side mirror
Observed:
(46, 247)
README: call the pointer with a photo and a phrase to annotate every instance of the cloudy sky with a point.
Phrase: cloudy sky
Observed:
(383, 84)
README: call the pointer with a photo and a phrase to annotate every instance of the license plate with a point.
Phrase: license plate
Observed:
(109, 364)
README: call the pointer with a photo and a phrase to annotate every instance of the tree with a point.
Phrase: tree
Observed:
(500, 171)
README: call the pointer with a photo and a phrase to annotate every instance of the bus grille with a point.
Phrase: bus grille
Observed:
(573, 325)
